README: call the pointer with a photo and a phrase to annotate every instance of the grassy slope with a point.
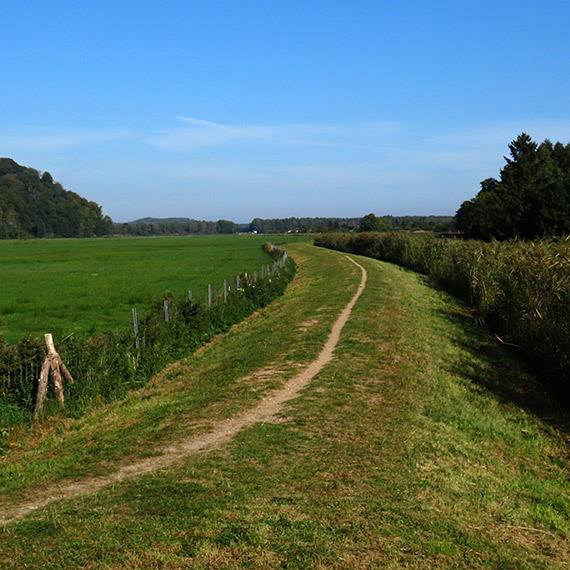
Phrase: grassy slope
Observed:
(89, 286)
(404, 452)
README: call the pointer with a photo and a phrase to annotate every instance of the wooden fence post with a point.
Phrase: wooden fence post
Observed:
(137, 338)
(42, 389)
(136, 326)
(53, 362)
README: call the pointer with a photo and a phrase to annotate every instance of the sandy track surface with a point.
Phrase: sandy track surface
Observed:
(267, 409)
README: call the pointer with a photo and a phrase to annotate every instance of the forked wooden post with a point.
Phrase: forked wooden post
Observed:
(53, 362)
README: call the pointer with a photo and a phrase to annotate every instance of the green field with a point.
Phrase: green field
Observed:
(87, 286)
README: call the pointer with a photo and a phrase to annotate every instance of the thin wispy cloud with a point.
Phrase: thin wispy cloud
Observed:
(53, 139)
(375, 144)
(499, 134)
(290, 178)
(481, 148)
(195, 133)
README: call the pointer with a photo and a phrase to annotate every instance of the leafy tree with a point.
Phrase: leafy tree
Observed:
(35, 206)
(225, 227)
(371, 223)
(482, 216)
(368, 223)
(47, 178)
(383, 224)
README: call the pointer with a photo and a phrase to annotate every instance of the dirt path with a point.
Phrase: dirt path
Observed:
(224, 431)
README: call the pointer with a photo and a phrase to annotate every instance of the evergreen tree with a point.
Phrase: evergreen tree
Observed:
(531, 199)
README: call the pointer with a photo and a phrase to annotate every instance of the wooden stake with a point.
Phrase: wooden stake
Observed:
(42, 388)
(53, 362)
(136, 326)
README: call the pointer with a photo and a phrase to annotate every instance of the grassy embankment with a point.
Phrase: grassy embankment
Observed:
(88, 286)
(406, 451)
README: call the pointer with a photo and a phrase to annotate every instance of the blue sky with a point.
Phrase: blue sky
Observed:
(243, 109)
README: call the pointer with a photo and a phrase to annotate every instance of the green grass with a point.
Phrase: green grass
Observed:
(409, 450)
(88, 286)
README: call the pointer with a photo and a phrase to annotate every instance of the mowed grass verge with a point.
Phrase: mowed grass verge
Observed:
(88, 286)
(405, 451)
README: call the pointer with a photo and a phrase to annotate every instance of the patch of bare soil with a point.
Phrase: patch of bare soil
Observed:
(307, 325)
(267, 410)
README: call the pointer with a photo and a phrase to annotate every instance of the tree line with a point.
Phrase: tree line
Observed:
(370, 222)
(177, 226)
(32, 205)
(530, 200)
(185, 226)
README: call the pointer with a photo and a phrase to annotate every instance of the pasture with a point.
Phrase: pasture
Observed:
(87, 286)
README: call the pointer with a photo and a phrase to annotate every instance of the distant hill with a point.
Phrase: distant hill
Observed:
(159, 220)
(33, 205)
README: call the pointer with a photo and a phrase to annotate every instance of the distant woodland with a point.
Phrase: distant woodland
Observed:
(32, 205)
(370, 222)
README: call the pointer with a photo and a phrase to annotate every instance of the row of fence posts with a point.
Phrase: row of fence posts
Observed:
(266, 270)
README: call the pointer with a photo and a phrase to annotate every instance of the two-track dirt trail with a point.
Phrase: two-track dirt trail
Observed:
(267, 408)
